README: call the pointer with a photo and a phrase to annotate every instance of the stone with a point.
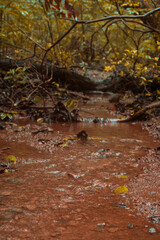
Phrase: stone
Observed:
(158, 128)
(152, 230)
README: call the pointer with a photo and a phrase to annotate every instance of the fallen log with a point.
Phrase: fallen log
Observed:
(68, 79)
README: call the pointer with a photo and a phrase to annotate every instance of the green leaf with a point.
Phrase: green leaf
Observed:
(3, 116)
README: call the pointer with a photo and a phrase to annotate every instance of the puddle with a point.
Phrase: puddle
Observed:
(64, 189)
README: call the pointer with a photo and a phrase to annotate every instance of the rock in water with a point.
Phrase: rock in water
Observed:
(82, 136)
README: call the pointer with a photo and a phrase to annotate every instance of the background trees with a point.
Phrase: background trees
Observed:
(117, 36)
(107, 34)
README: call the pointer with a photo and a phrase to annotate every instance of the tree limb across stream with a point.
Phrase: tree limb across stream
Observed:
(140, 112)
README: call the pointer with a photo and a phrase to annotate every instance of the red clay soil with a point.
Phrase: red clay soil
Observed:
(145, 192)
(63, 188)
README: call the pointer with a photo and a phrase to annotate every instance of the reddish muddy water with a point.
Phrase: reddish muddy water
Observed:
(63, 188)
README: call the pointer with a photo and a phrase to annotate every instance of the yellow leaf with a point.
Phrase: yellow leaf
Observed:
(121, 190)
(144, 79)
(122, 117)
(156, 58)
(122, 74)
(57, 93)
(64, 145)
(40, 120)
(56, 84)
(38, 99)
(10, 158)
(48, 45)
(66, 139)
(109, 68)
(6, 171)
(71, 104)
(3, 116)
(122, 176)
(13, 112)
(148, 94)
(158, 92)
(95, 138)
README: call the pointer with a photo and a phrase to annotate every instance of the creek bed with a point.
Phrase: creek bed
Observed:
(64, 188)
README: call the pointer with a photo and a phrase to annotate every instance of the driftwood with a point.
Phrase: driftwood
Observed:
(140, 112)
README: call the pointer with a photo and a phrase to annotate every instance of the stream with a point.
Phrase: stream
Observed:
(64, 188)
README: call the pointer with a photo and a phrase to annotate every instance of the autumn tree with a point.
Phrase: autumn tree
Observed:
(84, 33)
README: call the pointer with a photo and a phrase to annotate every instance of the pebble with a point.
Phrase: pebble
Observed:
(101, 224)
(101, 150)
(121, 204)
(15, 180)
(2, 126)
(112, 229)
(152, 230)
(130, 226)
(104, 156)
(73, 223)
(15, 210)
(6, 193)
(31, 207)
(158, 128)
(99, 228)
(56, 234)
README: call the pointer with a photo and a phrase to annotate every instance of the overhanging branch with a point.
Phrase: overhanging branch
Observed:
(54, 44)
(121, 17)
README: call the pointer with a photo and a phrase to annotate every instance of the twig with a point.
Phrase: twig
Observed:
(54, 44)
(124, 17)
(34, 54)
(21, 30)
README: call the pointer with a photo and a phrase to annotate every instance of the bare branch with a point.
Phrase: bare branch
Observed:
(48, 22)
(140, 112)
(124, 17)
(21, 30)
(54, 44)
(98, 3)
(145, 25)
(34, 54)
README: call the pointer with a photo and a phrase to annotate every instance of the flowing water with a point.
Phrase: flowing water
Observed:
(63, 188)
